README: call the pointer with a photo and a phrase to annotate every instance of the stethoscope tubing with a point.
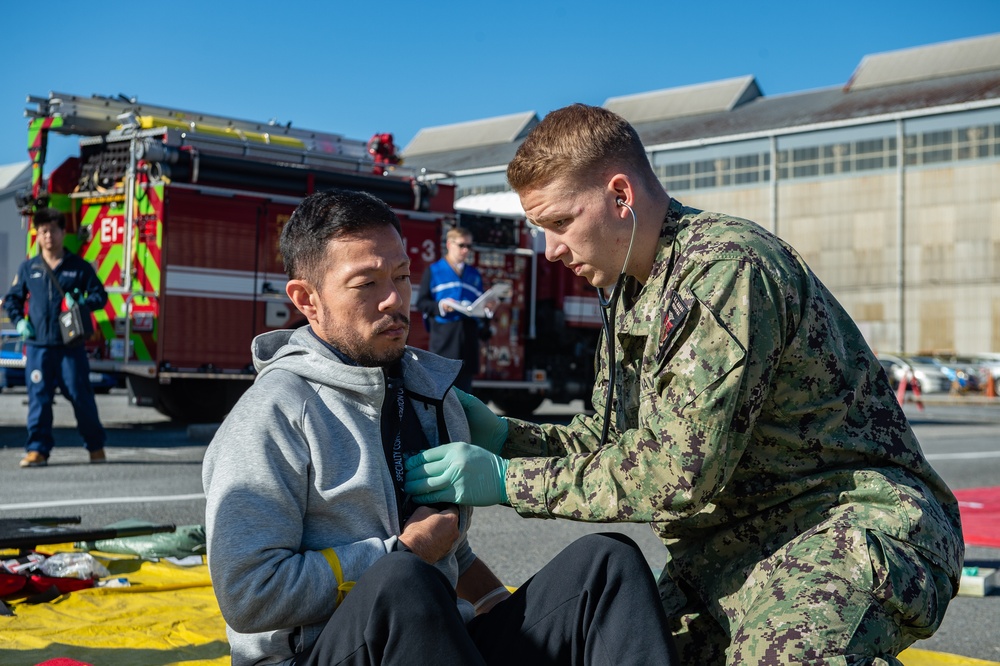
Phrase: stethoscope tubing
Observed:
(608, 307)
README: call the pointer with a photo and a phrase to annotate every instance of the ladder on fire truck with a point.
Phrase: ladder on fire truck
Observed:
(99, 116)
(184, 144)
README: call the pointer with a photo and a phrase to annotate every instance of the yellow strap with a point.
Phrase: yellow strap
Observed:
(148, 122)
(343, 587)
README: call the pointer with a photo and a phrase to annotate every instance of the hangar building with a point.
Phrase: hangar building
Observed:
(889, 185)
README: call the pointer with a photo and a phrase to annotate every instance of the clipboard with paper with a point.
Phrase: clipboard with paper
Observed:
(479, 308)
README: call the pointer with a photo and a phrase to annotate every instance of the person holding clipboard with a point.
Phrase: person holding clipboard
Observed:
(448, 284)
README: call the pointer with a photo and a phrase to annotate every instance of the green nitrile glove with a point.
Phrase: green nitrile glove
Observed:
(459, 473)
(25, 329)
(488, 430)
(75, 297)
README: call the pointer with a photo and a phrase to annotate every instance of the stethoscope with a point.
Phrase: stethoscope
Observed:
(608, 307)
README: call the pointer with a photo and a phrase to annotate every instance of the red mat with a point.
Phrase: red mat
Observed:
(980, 509)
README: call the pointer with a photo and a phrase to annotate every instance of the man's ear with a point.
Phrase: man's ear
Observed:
(302, 295)
(620, 187)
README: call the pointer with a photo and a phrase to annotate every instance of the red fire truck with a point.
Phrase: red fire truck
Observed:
(180, 214)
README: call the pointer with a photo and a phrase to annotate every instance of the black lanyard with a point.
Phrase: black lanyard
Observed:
(402, 436)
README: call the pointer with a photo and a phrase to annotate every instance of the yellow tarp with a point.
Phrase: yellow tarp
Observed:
(168, 617)
(915, 657)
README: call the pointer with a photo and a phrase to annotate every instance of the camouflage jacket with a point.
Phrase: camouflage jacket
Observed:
(748, 409)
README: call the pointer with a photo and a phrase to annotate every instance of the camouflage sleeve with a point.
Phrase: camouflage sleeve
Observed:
(525, 438)
(697, 399)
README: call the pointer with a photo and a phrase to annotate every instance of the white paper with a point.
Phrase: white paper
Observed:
(478, 308)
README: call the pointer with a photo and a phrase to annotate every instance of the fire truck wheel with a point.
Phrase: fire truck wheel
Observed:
(199, 401)
(518, 404)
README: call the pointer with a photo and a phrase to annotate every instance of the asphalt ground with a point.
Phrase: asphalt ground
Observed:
(154, 474)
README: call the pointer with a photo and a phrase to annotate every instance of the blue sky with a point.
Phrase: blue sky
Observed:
(356, 68)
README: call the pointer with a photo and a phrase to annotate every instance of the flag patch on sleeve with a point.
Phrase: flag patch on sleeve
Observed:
(673, 316)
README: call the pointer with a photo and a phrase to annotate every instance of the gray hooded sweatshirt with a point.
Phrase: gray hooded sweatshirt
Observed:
(298, 467)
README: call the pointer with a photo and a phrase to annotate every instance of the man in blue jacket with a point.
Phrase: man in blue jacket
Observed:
(451, 278)
(53, 278)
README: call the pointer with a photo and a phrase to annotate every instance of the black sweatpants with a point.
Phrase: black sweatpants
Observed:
(594, 603)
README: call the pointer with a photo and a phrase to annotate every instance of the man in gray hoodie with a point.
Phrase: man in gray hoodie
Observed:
(316, 553)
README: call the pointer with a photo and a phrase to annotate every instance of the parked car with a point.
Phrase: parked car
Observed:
(964, 378)
(11, 352)
(985, 366)
(12, 371)
(889, 366)
(930, 373)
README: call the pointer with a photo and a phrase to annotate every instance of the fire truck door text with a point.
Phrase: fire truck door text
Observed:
(112, 230)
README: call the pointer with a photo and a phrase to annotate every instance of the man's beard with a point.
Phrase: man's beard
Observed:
(369, 359)
(364, 354)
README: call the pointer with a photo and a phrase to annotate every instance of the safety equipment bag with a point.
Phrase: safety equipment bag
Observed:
(71, 325)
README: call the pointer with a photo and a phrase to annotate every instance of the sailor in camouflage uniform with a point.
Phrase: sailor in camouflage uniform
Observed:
(751, 425)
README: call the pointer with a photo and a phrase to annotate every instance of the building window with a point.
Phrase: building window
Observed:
(870, 154)
(675, 176)
(746, 168)
(910, 150)
(480, 189)
(973, 143)
(782, 164)
(832, 159)
(836, 158)
(805, 162)
(936, 146)
(705, 174)
(713, 173)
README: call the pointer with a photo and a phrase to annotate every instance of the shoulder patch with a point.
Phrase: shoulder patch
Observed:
(673, 315)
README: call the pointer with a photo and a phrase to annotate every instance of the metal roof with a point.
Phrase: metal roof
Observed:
(13, 176)
(962, 56)
(685, 100)
(826, 106)
(948, 76)
(498, 203)
(501, 129)
(464, 159)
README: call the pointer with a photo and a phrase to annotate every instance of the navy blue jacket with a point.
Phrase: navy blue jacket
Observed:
(45, 303)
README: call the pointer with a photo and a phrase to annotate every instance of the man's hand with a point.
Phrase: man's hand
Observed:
(73, 298)
(480, 586)
(459, 473)
(25, 329)
(446, 305)
(488, 430)
(430, 534)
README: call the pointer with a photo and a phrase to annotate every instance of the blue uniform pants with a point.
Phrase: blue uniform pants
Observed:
(68, 369)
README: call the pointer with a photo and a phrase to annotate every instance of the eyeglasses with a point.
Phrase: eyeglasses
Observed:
(464, 246)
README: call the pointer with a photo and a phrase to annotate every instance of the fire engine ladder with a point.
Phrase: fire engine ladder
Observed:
(100, 116)
(156, 134)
